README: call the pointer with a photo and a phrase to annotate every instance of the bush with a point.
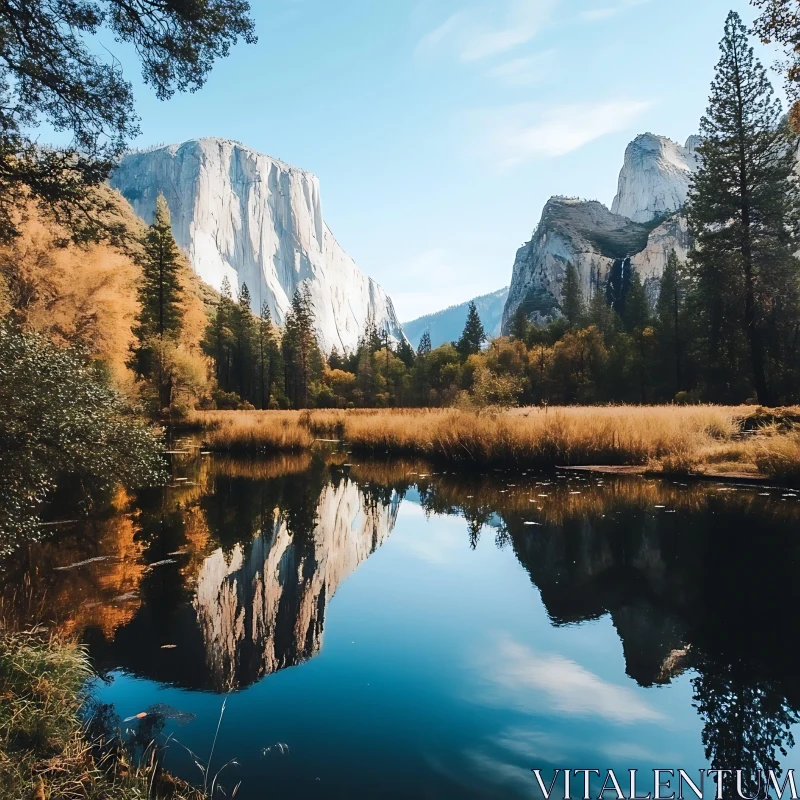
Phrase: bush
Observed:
(60, 419)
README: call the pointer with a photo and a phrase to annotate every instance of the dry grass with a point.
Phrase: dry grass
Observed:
(673, 439)
(44, 751)
(779, 456)
(252, 431)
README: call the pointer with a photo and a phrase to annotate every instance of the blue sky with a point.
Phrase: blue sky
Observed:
(439, 128)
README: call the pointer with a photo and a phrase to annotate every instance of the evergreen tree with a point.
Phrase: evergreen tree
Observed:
(161, 314)
(335, 361)
(600, 314)
(372, 337)
(405, 352)
(160, 289)
(243, 336)
(266, 347)
(520, 326)
(473, 335)
(424, 344)
(744, 215)
(301, 355)
(571, 297)
(218, 342)
(669, 327)
(636, 315)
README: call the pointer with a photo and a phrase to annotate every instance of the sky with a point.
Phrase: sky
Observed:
(439, 128)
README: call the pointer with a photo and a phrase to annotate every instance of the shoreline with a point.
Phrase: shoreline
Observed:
(703, 442)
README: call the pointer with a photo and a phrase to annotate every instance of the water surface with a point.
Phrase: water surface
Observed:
(387, 631)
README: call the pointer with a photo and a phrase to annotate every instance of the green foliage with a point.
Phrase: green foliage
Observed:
(670, 327)
(52, 72)
(571, 296)
(301, 355)
(744, 214)
(161, 317)
(473, 335)
(60, 420)
(424, 344)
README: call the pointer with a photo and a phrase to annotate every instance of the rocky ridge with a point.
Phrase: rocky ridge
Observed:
(641, 229)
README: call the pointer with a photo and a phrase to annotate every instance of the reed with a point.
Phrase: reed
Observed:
(252, 431)
(45, 750)
(673, 439)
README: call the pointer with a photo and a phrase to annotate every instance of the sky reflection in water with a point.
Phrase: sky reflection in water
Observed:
(406, 634)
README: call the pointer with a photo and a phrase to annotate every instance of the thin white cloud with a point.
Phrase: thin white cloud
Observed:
(604, 12)
(520, 133)
(522, 679)
(525, 70)
(474, 32)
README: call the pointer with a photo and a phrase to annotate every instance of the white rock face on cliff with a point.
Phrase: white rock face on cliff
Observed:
(256, 220)
(261, 607)
(654, 180)
(653, 184)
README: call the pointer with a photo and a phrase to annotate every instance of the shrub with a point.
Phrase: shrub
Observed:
(60, 419)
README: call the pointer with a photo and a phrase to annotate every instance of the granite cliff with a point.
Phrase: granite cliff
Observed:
(255, 220)
(643, 226)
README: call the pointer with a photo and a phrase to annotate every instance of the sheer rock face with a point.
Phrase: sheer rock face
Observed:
(641, 230)
(655, 177)
(262, 607)
(256, 220)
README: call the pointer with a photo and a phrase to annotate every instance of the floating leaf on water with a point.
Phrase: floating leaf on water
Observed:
(168, 646)
(162, 563)
(83, 563)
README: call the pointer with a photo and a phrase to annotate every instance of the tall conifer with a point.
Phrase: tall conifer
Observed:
(744, 215)
(473, 335)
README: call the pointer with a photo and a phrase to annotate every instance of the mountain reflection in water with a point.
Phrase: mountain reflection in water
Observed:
(224, 577)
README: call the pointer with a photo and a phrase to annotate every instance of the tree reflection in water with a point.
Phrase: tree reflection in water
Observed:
(225, 577)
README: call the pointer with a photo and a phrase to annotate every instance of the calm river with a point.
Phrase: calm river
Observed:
(387, 631)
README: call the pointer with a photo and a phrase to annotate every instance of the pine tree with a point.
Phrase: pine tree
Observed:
(571, 297)
(405, 352)
(301, 355)
(473, 335)
(218, 342)
(636, 315)
(160, 291)
(744, 213)
(243, 336)
(265, 367)
(335, 360)
(372, 337)
(600, 314)
(520, 326)
(669, 326)
(161, 317)
(424, 344)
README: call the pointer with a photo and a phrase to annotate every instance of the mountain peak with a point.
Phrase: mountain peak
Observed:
(655, 177)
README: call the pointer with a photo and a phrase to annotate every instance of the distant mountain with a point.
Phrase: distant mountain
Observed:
(446, 326)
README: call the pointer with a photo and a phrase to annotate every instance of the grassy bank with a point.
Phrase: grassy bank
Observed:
(45, 752)
(677, 439)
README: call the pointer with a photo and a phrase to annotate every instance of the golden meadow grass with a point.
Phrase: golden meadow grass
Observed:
(676, 439)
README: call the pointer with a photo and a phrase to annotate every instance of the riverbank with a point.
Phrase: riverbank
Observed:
(678, 440)
(45, 748)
